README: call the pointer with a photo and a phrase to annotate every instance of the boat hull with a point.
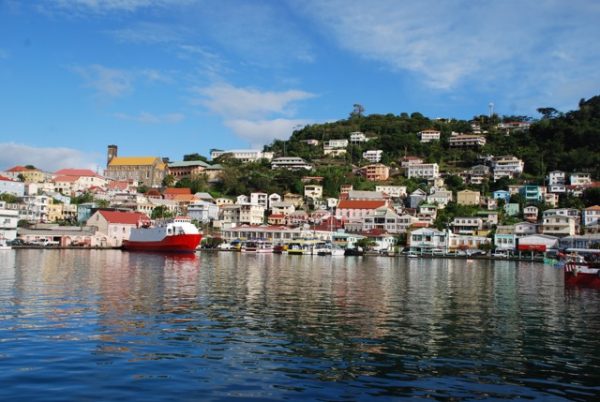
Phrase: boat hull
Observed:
(576, 275)
(184, 243)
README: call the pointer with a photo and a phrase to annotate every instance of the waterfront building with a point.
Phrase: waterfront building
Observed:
(116, 225)
(252, 214)
(505, 238)
(559, 225)
(426, 239)
(64, 236)
(384, 219)
(587, 241)
(466, 225)
(536, 243)
(243, 155)
(203, 211)
(8, 222)
(467, 241)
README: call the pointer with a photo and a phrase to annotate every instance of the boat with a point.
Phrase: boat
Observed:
(296, 248)
(174, 235)
(257, 246)
(579, 271)
(328, 248)
(279, 248)
(354, 251)
(4, 245)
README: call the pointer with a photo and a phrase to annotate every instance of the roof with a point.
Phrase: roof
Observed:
(188, 164)
(177, 191)
(593, 208)
(17, 169)
(133, 160)
(65, 179)
(130, 218)
(3, 178)
(75, 172)
(359, 204)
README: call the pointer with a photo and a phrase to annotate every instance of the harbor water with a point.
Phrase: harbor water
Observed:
(111, 325)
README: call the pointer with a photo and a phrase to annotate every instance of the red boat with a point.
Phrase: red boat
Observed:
(582, 273)
(177, 235)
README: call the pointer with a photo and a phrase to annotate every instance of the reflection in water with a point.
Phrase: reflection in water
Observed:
(297, 327)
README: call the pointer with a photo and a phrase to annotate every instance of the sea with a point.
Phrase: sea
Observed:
(109, 325)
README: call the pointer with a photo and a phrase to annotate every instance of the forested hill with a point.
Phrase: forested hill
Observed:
(569, 141)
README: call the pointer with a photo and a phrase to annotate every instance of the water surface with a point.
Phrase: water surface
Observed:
(112, 325)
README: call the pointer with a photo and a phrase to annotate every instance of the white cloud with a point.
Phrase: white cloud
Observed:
(232, 102)
(150, 118)
(486, 44)
(261, 132)
(47, 159)
(104, 6)
(106, 81)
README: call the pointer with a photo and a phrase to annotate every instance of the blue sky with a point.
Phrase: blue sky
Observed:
(170, 77)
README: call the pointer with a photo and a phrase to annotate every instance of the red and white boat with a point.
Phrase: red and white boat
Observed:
(579, 272)
(176, 235)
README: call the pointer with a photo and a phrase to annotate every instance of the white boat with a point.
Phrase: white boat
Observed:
(257, 246)
(4, 245)
(328, 249)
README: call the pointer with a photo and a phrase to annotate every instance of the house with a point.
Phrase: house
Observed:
(274, 198)
(28, 174)
(392, 191)
(591, 216)
(147, 170)
(357, 137)
(532, 193)
(429, 135)
(346, 188)
(186, 169)
(282, 208)
(376, 172)
(173, 193)
(276, 219)
(501, 195)
(297, 218)
(507, 166)
(530, 213)
(439, 196)
(244, 155)
(489, 218)
(230, 214)
(416, 197)
(314, 191)
(357, 210)
(466, 225)
(468, 197)
(525, 229)
(224, 201)
(588, 241)
(580, 179)
(424, 170)
(203, 211)
(556, 177)
(290, 163)
(467, 241)
(505, 238)
(557, 188)
(411, 160)
(11, 186)
(559, 225)
(296, 199)
(259, 198)
(8, 222)
(252, 214)
(551, 199)
(467, 141)
(366, 195)
(427, 239)
(428, 210)
(83, 179)
(116, 225)
(373, 156)
(335, 147)
(512, 209)
(384, 219)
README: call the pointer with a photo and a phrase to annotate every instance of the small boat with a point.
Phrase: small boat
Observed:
(279, 248)
(296, 248)
(4, 245)
(579, 272)
(328, 248)
(175, 235)
(354, 251)
(412, 254)
(257, 246)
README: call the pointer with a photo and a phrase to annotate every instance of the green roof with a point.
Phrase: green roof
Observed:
(188, 164)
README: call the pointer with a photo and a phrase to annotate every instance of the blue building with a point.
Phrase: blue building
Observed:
(502, 195)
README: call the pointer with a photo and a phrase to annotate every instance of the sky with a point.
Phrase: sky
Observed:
(173, 77)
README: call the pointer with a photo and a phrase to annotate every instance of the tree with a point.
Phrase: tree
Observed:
(591, 196)
(358, 110)
(195, 157)
(548, 112)
(161, 211)
(168, 180)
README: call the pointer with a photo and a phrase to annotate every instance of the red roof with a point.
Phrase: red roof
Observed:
(3, 178)
(130, 218)
(359, 204)
(17, 169)
(593, 208)
(177, 191)
(76, 172)
(65, 178)
(118, 185)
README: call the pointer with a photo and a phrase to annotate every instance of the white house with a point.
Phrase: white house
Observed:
(261, 199)
(591, 216)
(373, 156)
(244, 155)
(282, 208)
(466, 225)
(507, 166)
(429, 135)
(580, 179)
(252, 214)
(203, 211)
(314, 191)
(467, 140)
(357, 137)
(290, 163)
(525, 229)
(424, 170)
(439, 196)
(556, 177)
(392, 191)
(559, 225)
(8, 222)
(11, 186)
(428, 239)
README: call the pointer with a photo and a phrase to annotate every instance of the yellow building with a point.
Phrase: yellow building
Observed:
(29, 175)
(468, 197)
(147, 170)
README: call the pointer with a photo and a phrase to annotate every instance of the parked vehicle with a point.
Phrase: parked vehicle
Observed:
(500, 254)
